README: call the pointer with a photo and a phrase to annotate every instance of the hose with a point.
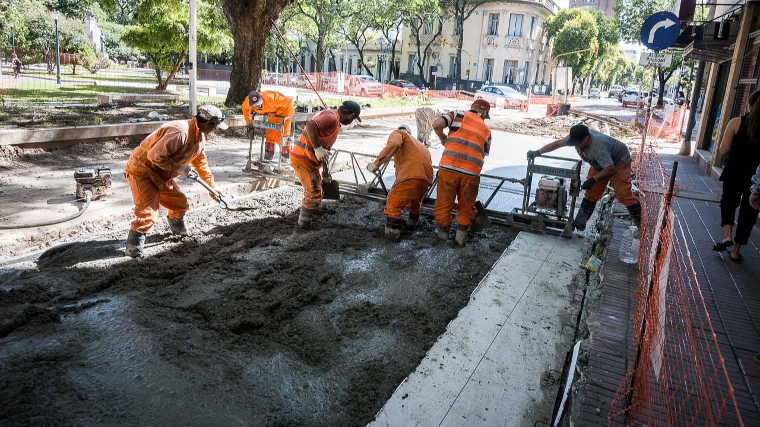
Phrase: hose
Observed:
(88, 198)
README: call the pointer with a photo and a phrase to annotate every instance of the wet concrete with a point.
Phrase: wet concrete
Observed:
(247, 322)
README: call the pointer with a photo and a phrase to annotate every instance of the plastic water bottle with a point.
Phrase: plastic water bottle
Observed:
(629, 246)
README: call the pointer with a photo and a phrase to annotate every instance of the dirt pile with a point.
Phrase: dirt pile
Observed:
(553, 127)
(249, 321)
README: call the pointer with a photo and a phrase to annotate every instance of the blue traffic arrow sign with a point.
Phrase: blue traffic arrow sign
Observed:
(660, 30)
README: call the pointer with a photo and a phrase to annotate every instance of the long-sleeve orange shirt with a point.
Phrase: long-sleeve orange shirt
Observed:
(272, 103)
(411, 158)
(161, 153)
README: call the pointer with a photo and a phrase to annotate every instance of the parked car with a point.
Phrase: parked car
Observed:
(615, 90)
(365, 86)
(665, 100)
(271, 78)
(594, 93)
(409, 87)
(628, 89)
(498, 93)
(632, 97)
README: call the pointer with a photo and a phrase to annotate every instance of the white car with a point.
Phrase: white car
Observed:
(632, 97)
(665, 100)
(365, 86)
(614, 91)
(594, 93)
(496, 93)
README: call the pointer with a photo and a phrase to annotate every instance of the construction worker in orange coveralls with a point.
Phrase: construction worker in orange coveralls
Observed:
(414, 175)
(272, 104)
(168, 152)
(310, 152)
(465, 148)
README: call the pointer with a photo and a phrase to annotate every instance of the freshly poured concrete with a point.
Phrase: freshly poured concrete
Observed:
(487, 369)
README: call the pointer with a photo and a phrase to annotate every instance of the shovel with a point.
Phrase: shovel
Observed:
(216, 195)
(330, 190)
(481, 220)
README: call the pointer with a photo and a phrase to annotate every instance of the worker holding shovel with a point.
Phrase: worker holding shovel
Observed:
(168, 152)
(414, 175)
(310, 153)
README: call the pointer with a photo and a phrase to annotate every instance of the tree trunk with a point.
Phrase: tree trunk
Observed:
(173, 71)
(250, 22)
(458, 61)
(160, 85)
(661, 91)
(686, 145)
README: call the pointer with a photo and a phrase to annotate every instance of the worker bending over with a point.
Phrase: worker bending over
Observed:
(425, 116)
(310, 152)
(465, 148)
(271, 104)
(163, 155)
(414, 175)
(610, 161)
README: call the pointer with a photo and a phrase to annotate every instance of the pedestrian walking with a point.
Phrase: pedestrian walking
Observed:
(16, 64)
(741, 143)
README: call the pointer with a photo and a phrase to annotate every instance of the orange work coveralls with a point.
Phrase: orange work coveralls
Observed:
(305, 163)
(467, 144)
(153, 165)
(414, 173)
(273, 104)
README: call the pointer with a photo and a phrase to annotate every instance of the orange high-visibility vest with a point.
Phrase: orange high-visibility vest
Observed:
(467, 144)
(302, 147)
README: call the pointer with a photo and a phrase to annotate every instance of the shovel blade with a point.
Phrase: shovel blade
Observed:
(331, 190)
(481, 220)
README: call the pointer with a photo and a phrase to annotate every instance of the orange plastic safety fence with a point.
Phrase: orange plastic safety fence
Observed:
(676, 374)
(339, 83)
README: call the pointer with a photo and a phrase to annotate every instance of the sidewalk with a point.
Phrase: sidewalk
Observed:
(731, 292)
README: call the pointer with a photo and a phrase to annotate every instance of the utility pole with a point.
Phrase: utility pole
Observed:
(57, 52)
(193, 54)
(13, 39)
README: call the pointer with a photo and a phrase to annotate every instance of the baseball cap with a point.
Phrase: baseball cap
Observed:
(212, 114)
(482, 103)
(254, 97)
(351, 107)
(406, 129)
(577, 134)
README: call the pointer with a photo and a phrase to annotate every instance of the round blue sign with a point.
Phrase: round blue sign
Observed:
(660, 31)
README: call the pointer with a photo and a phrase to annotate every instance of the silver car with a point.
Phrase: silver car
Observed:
(497, 93)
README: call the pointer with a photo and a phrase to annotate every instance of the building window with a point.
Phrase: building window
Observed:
(532, 26)
(515, 25)
(412, 58)
(427, 28)
(488, 70)
(509, 71)
(526, 72)
(452, 66)
(457, 28)
(493, 24)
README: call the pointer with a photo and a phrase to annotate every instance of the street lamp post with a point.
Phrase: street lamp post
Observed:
(13, 39)
(57, 52)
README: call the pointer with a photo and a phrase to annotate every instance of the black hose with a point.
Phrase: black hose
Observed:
(88, 198)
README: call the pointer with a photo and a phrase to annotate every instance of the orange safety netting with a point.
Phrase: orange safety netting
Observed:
(676, 374)
(339, 83)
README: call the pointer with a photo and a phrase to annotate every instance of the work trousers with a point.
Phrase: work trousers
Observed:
(736, 194)
(406, 194)
(424, 118)
(621, 182)
(148, 197)
(311, 181)
(274, 138)
(459, 186)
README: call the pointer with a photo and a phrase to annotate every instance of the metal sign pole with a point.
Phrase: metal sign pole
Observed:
(649, 111)
(193, 59)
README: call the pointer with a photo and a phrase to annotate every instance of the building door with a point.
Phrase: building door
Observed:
(452, 66)
(714, 113)
(509, 72)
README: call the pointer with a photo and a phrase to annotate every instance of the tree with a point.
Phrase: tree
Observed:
(161, 31)
(356, 29)
(417, 25)
(611, 67)
(461, 10)
(115, 48)
(387, 19)
(664, 74)
(632, 13)
(326, 18)
(250, 22)
(574, 30)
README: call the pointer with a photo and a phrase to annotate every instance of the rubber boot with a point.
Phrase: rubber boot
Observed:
(304, 218)
(412, 221)
(285, 151)
(393, 228)
(135, 243)
(268, 155)
(461, 237)
(584, 213)
(635, 212)
(443, 233)
(177, 226)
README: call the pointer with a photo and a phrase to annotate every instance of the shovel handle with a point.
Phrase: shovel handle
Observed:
(216, 196)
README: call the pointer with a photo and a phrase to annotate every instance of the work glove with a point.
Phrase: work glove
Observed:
(322, 154)
(372, 167)
(184, 170)
(587, 184)
(532, 154)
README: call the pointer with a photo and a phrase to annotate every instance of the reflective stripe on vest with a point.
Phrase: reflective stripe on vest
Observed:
(465, 147)
(302, 147)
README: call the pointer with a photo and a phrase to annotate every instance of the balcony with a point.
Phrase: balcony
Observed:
(491, 41)
(425, 39)
(513, 42)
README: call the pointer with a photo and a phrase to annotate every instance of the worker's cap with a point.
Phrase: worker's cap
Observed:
(254, 97)
(212, 114)
(351, 107)
(406, 129)
(577, 134)
(482, 103)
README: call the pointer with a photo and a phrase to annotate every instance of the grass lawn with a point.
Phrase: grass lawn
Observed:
(40, 93)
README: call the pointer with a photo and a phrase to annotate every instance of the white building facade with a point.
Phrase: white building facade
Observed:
(505, 40)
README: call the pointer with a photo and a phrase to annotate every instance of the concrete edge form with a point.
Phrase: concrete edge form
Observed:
(493, 365)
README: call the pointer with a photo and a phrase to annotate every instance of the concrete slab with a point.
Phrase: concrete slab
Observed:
(487, 368)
